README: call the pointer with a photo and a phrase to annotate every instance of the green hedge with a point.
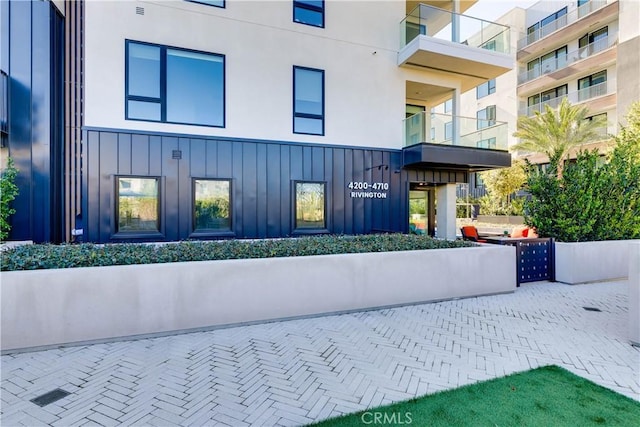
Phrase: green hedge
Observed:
(33, 257)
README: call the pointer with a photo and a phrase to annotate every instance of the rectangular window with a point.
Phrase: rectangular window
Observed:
(309, 12)
(593, 85)
(310, 206)
(172, 85)
(486, 117)
(448, 106)
(211, 205)
(448, 130)
(216, 3)
(137, 205)
(308, 101)
(486, 89)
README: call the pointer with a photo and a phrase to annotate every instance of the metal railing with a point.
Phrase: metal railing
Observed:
(561, 22)
(565, 60)
(446, 129)
(453, 27)
(575, 97)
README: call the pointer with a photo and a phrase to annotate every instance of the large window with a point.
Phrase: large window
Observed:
(310, 206)
(137, 205)
(170, 85)
(211, 205)
(486, 117)
(309, 12)
(550, 62)
(308, 101)
(593, 85)
(486, 89)
(593, 42)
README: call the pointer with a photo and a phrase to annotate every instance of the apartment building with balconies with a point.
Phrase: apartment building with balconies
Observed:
(249, 119)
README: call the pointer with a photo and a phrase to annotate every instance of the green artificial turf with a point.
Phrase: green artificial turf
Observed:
(547, 396)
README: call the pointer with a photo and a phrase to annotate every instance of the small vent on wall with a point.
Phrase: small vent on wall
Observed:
(139, 10)
(176, 154)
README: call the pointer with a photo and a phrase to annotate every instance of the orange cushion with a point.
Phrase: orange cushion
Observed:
(525, 232)
(518, 232)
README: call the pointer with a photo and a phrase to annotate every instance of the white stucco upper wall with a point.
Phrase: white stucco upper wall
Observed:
(364, 87)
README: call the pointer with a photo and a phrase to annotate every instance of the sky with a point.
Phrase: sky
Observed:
(493, 9)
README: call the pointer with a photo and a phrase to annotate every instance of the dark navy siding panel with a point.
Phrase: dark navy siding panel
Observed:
(238, 201)
(249, 190)
(91, 188)
(155, 155)
(338, 189)
(286, 210)
(124, 154)
(261, 190)
(169, 189)
(198, 158)
(348, 208)
(108, 151)
(272, 191)
(184, 196)
(140, 155)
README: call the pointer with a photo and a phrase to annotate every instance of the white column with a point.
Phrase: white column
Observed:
(634, 293)
(446, 211)
(455, 113)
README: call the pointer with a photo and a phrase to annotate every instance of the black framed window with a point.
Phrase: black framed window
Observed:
(592, 86)
(166, 84)
(137, 204)
(308, 101)
(486, 117)
(211, 205)
(486, 89)
(309, 12)
(216, 3)
(310, 205)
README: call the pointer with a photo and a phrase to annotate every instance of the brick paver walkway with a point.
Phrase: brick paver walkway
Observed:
(295, 372)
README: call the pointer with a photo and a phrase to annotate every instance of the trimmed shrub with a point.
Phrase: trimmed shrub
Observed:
(33, 257)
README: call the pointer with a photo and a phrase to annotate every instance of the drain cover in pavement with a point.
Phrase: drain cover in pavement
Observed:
(591, 309)
(50, 397)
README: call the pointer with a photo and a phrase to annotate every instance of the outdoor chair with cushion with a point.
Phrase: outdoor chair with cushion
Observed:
(469, 232)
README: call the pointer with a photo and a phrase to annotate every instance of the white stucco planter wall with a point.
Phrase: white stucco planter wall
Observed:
(582, 262)
(49, 307)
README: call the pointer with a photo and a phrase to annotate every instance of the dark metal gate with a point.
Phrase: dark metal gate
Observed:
(535, 259)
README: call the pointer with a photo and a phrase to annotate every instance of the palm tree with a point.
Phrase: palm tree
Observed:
(555, 131)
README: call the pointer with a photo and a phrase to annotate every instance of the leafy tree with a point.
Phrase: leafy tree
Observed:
(502, 183)
(591, 200)
(555, 131)
(8, 192)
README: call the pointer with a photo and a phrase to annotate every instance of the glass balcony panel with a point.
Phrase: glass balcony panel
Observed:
(471, 132)
(600, 89)
(562, 21)
(453, 27)
(565, 60)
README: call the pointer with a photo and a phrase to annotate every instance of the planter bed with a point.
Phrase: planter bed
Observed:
(42, 308)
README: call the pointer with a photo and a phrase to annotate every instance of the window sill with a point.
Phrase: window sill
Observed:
(311, 231)
(211, 234)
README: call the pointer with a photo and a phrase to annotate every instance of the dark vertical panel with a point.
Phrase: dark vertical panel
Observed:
(223, 167)
(358, 204)
(349, 175)
(296, 163)
(307, 165)
(317, 164)
(338, 189)
(249, 189)
(261, 189)
(155, 155)
(169, 189)
(286, 174)
(328, 176)
(108, 159)
(198, 158)
(124, 154)
(140, 155)
(91, 189)
(238, 184)
(185, 190)
(274, 198)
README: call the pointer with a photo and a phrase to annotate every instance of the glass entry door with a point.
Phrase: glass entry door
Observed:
(422, 210)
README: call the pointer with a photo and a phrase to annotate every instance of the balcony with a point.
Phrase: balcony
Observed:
(605, 92)
(446, 41)
(592, 15)
(454, 142)
(561, 22)
(569, 59)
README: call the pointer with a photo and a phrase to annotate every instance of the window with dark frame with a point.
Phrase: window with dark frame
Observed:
(486, 117)
(308, 101)
(171, 85)
(486, 89)
(310, 206)
(211, 205)
(309, 12)
(137, 209)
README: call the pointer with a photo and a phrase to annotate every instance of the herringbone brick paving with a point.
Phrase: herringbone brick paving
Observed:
(299, 371)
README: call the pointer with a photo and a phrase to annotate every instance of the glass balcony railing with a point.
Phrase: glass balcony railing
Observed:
(546, 66)
(453, 27)
(539, 32)
(455, 130)
(600, 89)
